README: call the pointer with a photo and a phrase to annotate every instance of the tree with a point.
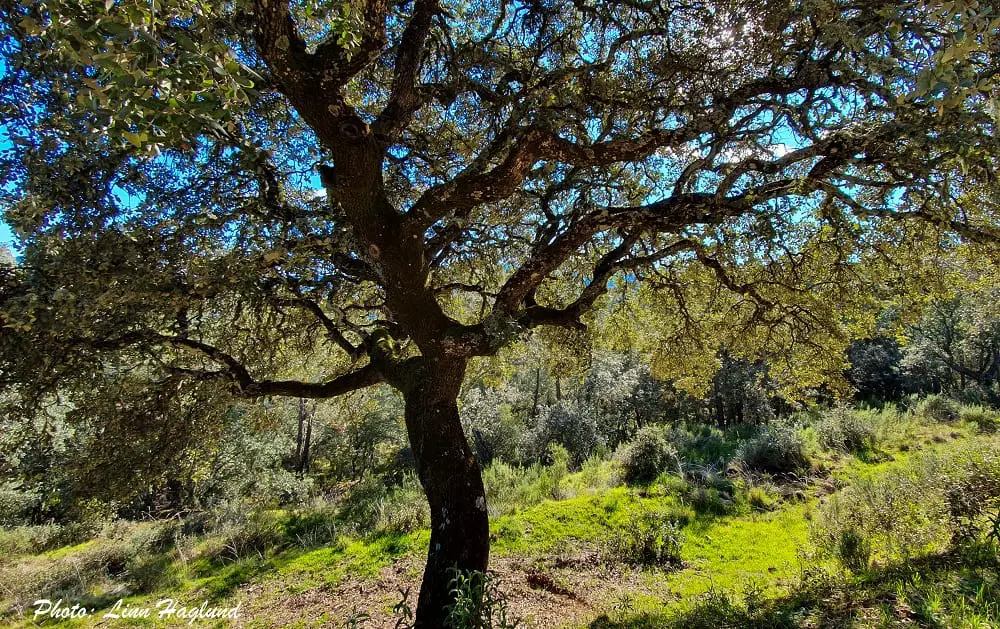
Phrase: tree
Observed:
(956, 344)
(875, 369)
(488, 168)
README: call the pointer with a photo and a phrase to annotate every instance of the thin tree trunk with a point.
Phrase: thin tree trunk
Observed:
(452, 480)
(538, 386)
(304, 465)
(298, 436)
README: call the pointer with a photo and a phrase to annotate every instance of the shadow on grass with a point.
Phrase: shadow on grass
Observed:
(958, 588)
(351, 558)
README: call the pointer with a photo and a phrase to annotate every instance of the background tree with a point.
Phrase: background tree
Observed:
(525, 157)
(956, 345)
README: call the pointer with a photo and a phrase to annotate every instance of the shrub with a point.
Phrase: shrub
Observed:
(254, 536)
(16, 506)
(311, 528)
(760, 499)
(708, 490)
(361, 507)
(32, 540)
(778, 449)
(553, 475)
(910, 510)
(647, 455)
(847, 430)
(510, 487)
(650, 538)
(938, 408)
(986, 419)
(853, 549)
(488, 420)
(405, 508)
(566, 424)
(130, 561)
(596, 473)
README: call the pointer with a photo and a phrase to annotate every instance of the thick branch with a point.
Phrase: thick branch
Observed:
(352, 381)
(333, 331)
(406, 98)
(237, 374)
(533, 144)
(615, 260)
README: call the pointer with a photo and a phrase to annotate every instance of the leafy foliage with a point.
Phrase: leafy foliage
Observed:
(647, 455)
(845, 429)
(913, 509)
(479, 603)
(778, 448)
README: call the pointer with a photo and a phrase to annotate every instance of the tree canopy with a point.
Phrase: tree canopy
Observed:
(484, 168)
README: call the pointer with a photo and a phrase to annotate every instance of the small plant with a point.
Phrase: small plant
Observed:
(778, 449)
(405, 508)
(478, 602)
(555, 473)
(847, 430)
(647, 455)
(311, 529)
(986, 419)
(651, 538)
(993, 530)
(938, 408)
(760, 499)
(623, 606)
(854, 550)
(403, 610)
(255, 536)
(356, 619)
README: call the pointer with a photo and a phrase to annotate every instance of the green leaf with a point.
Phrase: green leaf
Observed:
(137, 139)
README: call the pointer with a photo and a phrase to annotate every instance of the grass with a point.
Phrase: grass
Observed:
(747, 557)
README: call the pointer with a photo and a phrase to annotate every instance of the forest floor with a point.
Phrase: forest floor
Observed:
(757, 565)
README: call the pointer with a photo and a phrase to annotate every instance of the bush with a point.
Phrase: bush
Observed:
(778, 449)
(16, 506)
(372, 506)
(647, 455)
(938, 408)
(759, 498)
(492, 428)
(32, 540)
(405, 508)
(127, 555)
(854, 550)
(510, 487)
(986, 419)
(567, 425)
(914, 509)
(361, 507)
(312, 528)
(847, 430)
(254, 536)
(708, 490)
(596, 473)
(552, 476)
(650, 538)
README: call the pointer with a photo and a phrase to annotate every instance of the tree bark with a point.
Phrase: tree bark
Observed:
(451, 478)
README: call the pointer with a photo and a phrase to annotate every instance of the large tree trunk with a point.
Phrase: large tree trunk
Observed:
(452, 480)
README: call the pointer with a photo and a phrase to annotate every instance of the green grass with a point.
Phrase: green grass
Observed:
(741, 566)
(725, 553)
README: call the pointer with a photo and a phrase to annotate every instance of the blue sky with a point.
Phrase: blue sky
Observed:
(6, 237)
